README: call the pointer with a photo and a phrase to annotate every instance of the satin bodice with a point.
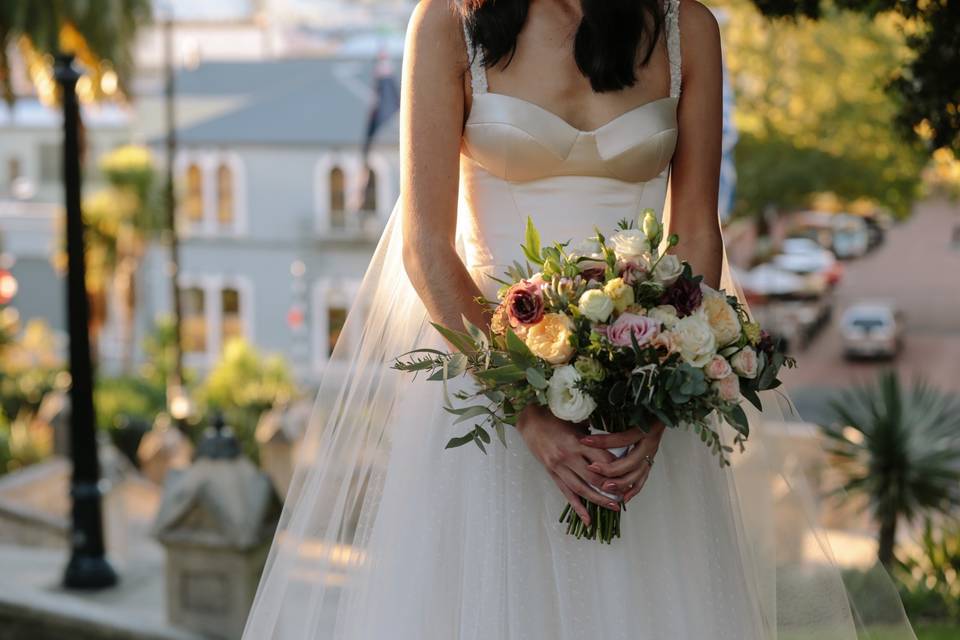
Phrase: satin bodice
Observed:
(519, 159)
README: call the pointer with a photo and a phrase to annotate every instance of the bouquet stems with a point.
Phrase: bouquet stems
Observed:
(604, 523)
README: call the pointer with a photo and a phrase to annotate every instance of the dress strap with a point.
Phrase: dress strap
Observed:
(672, 20)
(478, 71)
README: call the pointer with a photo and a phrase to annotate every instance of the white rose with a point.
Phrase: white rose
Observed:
(565, 400)
(694, 340)
(668, 270)
(745, 362)
(723, 318)
(596, 305)
(665, 314)
(728, 388)
(718, 368)
(630, 244)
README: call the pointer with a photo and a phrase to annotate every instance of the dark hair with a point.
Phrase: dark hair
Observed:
(606, 46)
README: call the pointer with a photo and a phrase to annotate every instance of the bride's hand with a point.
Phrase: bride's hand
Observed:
(627, 475)
(557, 445)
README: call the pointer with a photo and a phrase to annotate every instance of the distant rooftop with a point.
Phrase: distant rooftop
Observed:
(321, 101)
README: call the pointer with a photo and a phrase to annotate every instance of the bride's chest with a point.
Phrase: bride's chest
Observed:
(519, 141)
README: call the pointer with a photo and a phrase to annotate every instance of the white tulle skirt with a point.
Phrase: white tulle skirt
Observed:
(387, 535)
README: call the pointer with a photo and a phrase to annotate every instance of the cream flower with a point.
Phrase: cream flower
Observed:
(630, 244)
(596, 305)
(694, 340)
(550, 338)
(723, 318)
(745, 363)
(565, 400)
(620, 292)
(665, 314)
(668, 269)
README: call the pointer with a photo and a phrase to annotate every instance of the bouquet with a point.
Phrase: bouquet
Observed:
(614, 334)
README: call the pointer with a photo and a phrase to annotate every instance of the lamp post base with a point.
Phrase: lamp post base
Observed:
(89, 572)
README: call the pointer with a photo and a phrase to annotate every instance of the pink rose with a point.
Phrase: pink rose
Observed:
(718, 368)
(745, 362)
(642, 328)
(631, 272)
(728, 388)
(524, 303)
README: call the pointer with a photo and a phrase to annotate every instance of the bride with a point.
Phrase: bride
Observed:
(577, 113)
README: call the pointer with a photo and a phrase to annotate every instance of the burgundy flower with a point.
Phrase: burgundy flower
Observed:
(685, 295)
(524, 303)
(766, 344)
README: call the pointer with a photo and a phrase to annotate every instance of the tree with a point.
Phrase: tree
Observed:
(101, 33)
(811, 113)
(900, 448)
(926, 87)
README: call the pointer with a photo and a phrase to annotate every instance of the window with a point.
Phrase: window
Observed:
(336, 318)
(370, 191)
(193, 201)
(194, 320)
(13, 170)
(49, 162)
(224, 195)
(338, 197)
(231, 321)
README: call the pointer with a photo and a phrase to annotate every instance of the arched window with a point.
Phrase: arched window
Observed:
(338, 197)
(336, 318)
(232, 322)
(194, 320)
(370, 191)
(193, 200)
(224, 195)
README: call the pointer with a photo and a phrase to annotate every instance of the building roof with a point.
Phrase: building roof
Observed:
(320, 101)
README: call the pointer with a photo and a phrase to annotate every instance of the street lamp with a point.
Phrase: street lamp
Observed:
(88, 567)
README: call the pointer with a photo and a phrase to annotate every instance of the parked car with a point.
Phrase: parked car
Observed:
(804, 256)
(872, 329)
(845, 234)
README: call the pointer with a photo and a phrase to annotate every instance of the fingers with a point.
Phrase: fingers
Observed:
(614, 440)
(633, 460)
(572, 498)
(629, 485)
(581, 468)
(584, 490)
(596, 455)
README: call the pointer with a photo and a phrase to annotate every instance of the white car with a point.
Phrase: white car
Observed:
(872, 330)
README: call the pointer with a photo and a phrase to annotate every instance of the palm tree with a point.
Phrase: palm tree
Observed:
(900, 448)
(101, 33)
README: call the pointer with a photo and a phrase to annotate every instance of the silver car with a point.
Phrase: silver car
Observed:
(872, 329)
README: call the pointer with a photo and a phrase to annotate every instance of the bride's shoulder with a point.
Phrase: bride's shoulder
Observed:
(699, 35)
(437, 21)
(436, 30)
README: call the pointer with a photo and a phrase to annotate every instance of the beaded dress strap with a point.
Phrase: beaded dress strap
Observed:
(672, 20)
(478, 72)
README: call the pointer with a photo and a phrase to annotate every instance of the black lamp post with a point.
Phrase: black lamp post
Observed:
(88, 567)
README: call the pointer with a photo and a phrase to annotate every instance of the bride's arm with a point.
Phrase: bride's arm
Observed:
(431, 121)
(695, 175)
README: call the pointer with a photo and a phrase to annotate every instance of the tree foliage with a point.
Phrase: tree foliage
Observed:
(99, 32)
(925, 87)
(812, 112)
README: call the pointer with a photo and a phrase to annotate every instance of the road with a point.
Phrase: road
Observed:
(918, 269)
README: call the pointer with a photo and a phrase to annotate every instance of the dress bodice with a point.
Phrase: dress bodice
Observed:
(519, 159)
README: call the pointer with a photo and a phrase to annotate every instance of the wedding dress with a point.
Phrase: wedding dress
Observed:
(386, 535)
